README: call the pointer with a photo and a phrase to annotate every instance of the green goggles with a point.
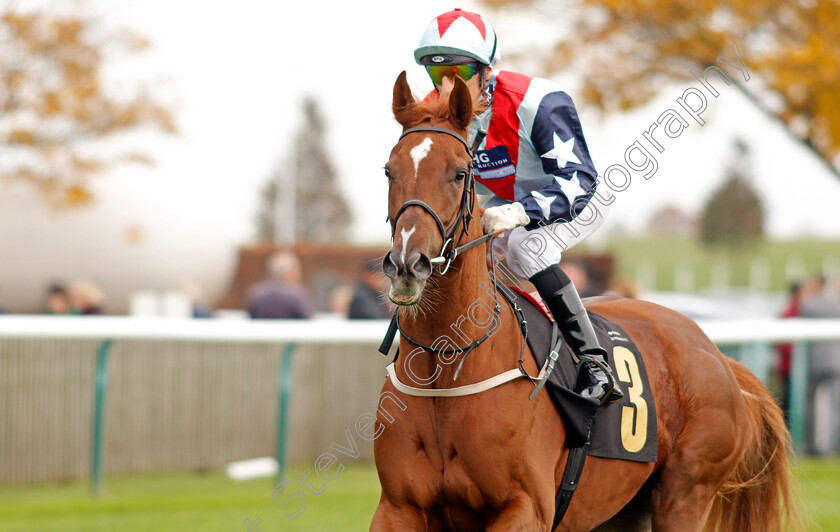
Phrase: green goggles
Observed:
(464, 71)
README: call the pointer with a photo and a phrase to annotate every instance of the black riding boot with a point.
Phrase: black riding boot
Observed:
(562, 299)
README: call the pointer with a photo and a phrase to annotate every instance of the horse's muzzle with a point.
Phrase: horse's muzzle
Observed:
(407, 276)
(417, 266)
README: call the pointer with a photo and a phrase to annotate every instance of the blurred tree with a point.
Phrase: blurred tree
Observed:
(624, 50)
(266, 214)
(733, 216)
(54, 109)
(318, 212)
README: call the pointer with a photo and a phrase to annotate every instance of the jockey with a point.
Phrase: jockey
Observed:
(535, 164)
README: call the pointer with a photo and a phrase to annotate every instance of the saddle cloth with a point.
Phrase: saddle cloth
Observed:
(625, 429)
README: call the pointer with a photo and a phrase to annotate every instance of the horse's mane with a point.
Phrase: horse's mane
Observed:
(434, 108)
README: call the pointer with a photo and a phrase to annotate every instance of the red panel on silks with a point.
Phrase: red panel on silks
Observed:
(495, 165)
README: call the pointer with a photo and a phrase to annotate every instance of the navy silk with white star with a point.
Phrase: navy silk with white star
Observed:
(557, 119)
(550, 172)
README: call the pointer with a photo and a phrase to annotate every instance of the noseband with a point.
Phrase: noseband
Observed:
(465, 212)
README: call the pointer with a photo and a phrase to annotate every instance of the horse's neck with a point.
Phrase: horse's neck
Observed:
(460, 311)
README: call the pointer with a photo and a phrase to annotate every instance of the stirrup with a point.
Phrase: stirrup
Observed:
(611, 393)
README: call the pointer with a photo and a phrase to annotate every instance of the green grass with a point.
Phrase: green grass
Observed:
(819, 481)
(664, 253)
(180, 502)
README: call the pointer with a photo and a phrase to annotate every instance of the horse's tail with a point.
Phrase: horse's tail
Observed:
(760, 495)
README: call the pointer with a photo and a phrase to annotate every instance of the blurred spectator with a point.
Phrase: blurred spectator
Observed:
(281, 296)
(797, 292)
(57, 301)
(340, 300)
(823, 402)
(86, 297)
(576, 272)
(367, 302)
(624, 287)
(192, 291)
(579, 275)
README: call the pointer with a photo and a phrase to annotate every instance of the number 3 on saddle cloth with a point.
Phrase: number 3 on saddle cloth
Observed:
(625, 429)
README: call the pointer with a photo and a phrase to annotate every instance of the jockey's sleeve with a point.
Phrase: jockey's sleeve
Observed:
(557, 139)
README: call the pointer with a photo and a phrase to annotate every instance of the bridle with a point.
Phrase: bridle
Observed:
(444, 259)
(451, 246)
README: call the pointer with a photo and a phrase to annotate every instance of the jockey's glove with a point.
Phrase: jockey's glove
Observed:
(504, 217)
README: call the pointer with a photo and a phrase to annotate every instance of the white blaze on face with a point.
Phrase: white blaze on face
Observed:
(419, 152)
(405, 236)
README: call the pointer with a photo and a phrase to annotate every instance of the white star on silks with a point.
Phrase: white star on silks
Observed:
(562, 151)
(571, 188)
(544, 202)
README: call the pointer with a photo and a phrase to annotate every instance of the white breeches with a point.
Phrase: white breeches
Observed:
(530, 252)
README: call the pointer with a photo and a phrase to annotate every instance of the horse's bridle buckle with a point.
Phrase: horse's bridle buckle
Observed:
(444, 259)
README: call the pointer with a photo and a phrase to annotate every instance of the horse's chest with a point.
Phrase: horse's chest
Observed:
(468, 449)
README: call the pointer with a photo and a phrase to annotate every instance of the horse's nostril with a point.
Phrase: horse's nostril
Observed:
(417, 265)
(421, 266)
(389, 268)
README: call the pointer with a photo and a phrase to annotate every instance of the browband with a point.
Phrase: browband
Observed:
(438, 130)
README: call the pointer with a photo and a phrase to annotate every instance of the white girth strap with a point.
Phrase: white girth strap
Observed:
(458, 391)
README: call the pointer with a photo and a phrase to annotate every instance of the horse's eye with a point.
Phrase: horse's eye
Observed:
(460, 176)
(388, 174)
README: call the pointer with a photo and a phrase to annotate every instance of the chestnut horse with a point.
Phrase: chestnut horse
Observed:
(494, 460)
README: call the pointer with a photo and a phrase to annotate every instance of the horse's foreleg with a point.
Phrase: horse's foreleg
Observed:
(519, 514)
(392, 518)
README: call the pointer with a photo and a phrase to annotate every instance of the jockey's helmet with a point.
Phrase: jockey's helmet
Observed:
(457, 37)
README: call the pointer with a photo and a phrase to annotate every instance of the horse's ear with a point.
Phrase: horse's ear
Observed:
(402, 95)
(460, 105)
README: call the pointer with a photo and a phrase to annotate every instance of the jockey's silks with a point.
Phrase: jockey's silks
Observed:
(535, 151)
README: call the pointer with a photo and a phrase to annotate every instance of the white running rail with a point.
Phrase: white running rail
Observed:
(337, 331)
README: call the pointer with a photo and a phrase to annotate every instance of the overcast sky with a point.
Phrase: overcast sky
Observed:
(238, 71)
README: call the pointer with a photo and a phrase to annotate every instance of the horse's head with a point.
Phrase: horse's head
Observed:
(430, 190)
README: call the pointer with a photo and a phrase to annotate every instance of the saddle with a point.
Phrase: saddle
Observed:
(625, 429)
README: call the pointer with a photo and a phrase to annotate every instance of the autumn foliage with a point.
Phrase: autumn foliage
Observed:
(55, 111)
(625, 50)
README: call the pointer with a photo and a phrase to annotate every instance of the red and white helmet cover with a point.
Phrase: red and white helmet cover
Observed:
(461, 33)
